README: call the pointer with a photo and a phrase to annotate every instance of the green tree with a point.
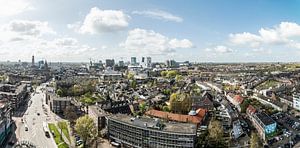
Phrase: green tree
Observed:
(59, 92)
(178, 78)
(180, 102)
(166, 92)
(130, 76)
(133, 84)
(215, 134)
(166, 109)
(85, 128)
(70, 113)
(173, 102)
(163, 73)
(254, 141)
(171, 74)
(244, 105)
(143, 107)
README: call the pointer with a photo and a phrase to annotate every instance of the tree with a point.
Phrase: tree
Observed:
(178, 78)
(215, 134)
(164, 73)
(59, 92)
(166, 92)
(85, 128)
(244, 105)
(254, 141)
(143, 107)
(173, 102)
(171, 74)
(130, 76)
(70, 113)
(166, 109)
(133, 84)
(77, 90)
(180, 102)
(215, 130)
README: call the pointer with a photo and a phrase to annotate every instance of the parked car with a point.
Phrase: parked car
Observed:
(79, 142)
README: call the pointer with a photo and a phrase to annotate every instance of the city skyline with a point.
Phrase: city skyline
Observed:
(198, 31)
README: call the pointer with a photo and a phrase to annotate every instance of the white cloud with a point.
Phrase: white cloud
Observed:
(148, 41)
(279, 34)
(68, 42)
(14, 7)
(185, 43)
(262, 51)
(220, 49)
(74, 26)
(99, 21)
(18, 30)
(159, 14)
(29, 28)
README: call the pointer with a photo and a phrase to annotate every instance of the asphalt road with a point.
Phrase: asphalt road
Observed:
(34, 122)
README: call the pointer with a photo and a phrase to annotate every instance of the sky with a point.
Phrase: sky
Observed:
(194, 30)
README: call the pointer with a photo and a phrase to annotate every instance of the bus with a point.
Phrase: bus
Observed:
(46, 129)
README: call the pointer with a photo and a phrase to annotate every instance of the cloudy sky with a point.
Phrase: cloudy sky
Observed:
(194, 30)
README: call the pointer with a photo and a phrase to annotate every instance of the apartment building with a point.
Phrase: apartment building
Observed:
(148, 132)
(263, 123)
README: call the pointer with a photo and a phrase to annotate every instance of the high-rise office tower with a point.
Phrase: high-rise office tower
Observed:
(133, 61)
(32, 61)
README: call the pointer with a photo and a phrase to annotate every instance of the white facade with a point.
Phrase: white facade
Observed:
(296, 101)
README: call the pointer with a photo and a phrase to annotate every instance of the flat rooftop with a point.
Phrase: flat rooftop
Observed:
(151, 123)
(267, 120)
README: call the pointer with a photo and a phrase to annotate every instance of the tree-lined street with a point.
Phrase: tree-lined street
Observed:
(33, 119)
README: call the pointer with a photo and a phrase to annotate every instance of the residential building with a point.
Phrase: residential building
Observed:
(296, 101)
(236, 100)
(263, 123)
(147, 132)
(5, 120)
(57, 104)
(237, 130)
(111, 75)
(17, 95)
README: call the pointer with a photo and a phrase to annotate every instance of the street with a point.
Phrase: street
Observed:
(34, 122)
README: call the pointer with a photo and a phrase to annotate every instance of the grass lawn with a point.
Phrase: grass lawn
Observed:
(64, 126)
(57, 139)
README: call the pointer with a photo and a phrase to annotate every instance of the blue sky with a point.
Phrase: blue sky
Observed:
(194, 30)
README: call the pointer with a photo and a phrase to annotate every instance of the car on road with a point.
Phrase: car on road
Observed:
(26, 128)
(79, 142)
(22, 120)
(52, 132)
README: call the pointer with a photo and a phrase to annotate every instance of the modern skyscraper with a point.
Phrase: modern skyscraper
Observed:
(110, 62)
(149, 62)
(143, 59)
(32, 61)
(133, 61)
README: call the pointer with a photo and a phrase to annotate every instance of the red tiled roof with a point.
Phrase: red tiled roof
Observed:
(251, 109)
(201, 112)
(239, 99)
(179, 117)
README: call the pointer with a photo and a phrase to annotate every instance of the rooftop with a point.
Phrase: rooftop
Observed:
(196, 119)
(267, 120)
(145, 122)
